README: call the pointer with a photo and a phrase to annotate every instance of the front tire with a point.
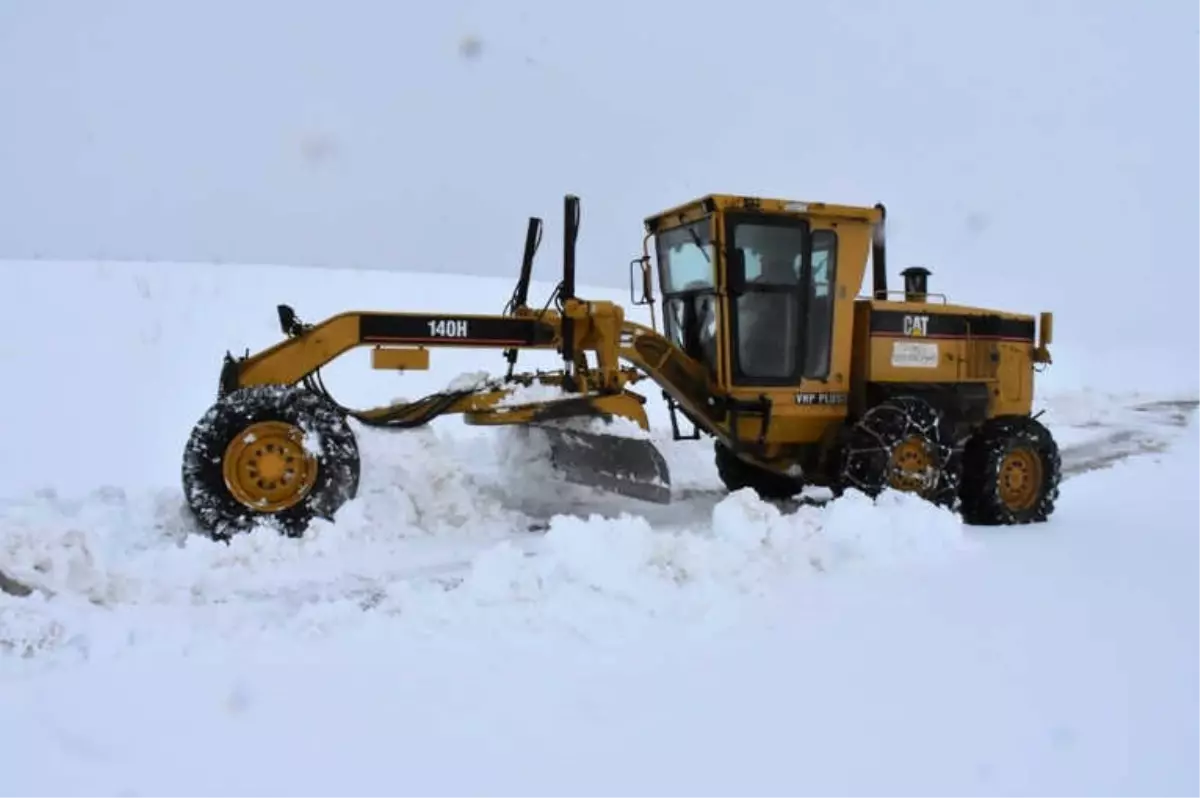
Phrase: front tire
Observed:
(1011, 473)
(269, 455)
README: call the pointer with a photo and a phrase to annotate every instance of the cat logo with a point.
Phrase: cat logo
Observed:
(916, 326)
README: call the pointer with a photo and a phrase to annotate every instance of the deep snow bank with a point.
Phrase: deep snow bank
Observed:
(1055, 659)
(106, 524)
(428, 642)
(431, 557)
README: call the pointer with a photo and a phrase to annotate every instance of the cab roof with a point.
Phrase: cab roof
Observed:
(702, 206)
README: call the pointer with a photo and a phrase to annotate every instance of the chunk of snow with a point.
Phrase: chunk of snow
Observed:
(469, 381)
(534, 392)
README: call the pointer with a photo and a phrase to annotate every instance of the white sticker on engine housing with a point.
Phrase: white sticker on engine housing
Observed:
(914, 354)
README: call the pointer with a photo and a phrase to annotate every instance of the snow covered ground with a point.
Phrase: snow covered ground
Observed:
(429, 642)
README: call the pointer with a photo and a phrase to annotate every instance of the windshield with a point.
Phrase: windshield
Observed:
(685, 256)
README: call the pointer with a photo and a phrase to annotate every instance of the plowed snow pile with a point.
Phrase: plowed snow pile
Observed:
(432, 542)
(470, 624)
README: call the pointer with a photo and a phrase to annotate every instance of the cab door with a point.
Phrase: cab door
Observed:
(768, 263)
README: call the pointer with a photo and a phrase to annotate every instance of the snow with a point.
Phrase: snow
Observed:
(534, 392)
(434, 639)
(470, 381)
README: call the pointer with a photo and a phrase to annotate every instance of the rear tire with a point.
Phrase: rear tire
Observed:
(905, 444)
(737, 474)
(1011, 473)
(269, 455)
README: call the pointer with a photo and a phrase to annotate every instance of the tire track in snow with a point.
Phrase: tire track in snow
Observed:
(1122, 444)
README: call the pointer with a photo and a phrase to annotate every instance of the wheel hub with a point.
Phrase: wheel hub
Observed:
(912, 466)
(266, 467)
(1020, 479)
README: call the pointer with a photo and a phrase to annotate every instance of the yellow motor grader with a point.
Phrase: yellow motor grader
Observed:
(766, 346)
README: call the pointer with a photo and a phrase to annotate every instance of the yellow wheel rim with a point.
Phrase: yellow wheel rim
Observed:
(1020, 479)
(266, 467)
(911, 462)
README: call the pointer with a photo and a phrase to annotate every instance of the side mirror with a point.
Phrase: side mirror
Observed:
(647, 297)
(735, 270)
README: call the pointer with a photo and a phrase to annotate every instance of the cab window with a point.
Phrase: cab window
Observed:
(818, 336)
(685, 257)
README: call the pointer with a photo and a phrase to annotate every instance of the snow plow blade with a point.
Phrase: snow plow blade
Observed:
(627, 466)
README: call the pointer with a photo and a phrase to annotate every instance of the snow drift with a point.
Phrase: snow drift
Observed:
(469, 624)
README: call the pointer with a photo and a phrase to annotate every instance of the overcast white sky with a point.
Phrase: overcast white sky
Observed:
(1031, 152)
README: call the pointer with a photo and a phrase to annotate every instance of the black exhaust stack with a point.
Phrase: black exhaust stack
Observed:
(533, 237)
(566, 289)
(879, 253)
(570, 234)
